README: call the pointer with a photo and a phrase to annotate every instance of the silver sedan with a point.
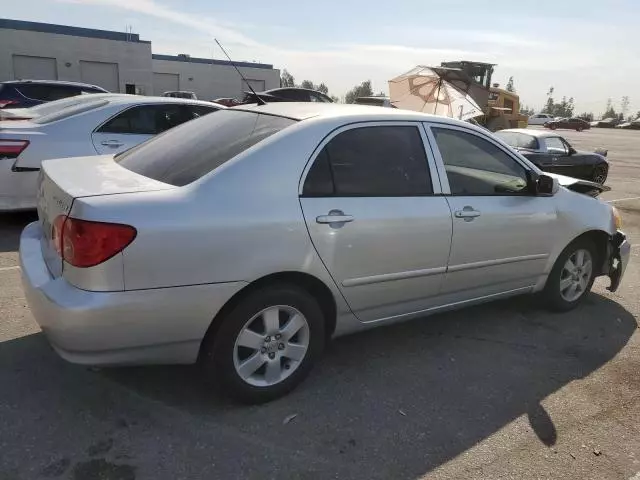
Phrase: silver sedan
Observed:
(247, 239)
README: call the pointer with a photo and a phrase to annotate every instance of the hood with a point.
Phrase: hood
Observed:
(586, 187)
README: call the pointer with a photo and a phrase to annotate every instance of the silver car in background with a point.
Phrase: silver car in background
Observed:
(247, 239)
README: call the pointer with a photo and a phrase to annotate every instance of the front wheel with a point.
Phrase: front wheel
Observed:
(572, 276)
(266, 345)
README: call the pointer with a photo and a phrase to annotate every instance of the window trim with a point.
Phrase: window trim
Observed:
(431, 164)
(442, 173)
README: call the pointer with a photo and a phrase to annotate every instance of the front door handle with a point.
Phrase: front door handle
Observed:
(335, 218)
(112, 143)
(467, 213)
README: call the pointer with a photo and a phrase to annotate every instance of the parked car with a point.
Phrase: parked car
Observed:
(181, 94)
(106, 125)
(287, 94)
(50, 107)
(375, 101)
(605, 123)
(552, 153)
(632, 125)
(228, 101)
(576, 124)
(28, 93)
(540, 119)
(246, 239)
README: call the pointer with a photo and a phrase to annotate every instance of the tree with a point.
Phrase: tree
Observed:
(510, 87)
(549, 106)
(322, 88)
(610, 112)
(307, 84)
(624, 106)
(587, 117)
(526, 110)
(362, 90)
(287, 80)
(638, 114)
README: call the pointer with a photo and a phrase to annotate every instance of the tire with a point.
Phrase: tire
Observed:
(599, 174)
(224, 356)
(552, 126)
(556, 296)
(579, 129)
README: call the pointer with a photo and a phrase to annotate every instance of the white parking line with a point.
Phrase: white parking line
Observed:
(6, 269)
(623, 199)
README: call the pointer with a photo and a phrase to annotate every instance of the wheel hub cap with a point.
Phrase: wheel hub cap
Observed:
(576, 275)
(271, 345)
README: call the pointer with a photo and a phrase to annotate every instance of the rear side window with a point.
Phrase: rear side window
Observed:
(371, 162)
(190, 151)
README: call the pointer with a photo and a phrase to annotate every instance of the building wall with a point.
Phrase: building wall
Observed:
(133, 59)
(214, 80)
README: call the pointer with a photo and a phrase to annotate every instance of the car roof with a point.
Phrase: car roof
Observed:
(138, 99)
(306, 110)
(532, 132)
(54, 82)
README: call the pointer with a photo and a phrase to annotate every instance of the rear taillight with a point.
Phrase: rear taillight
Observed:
(12, 148)
(6, 103)
(83, 243)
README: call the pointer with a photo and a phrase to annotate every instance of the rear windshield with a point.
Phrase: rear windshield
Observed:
(185, 153)
(50, 107)
(518, 140)
(69, 111)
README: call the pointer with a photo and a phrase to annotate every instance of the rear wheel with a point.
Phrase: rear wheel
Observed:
(572, 276)
(579, 129)
(599, 174)
(553, 126)
(266, 345)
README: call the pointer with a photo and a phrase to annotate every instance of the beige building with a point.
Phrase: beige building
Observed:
(118, 62)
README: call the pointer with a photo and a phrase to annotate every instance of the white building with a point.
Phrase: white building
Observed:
(119, 62)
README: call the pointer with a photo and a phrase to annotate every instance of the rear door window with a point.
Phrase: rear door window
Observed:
(380, 161)
(146, 120)
(190, 151)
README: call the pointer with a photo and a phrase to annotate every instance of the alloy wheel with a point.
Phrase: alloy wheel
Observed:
(599, 175)
(271, 346)
(576, 275)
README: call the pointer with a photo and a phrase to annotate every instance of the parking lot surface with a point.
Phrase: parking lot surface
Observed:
(505, 390)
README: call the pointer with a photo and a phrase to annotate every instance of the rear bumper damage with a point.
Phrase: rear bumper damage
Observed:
(619, 251)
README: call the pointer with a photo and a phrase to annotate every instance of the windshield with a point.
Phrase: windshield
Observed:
(69, 111)
(185, 153)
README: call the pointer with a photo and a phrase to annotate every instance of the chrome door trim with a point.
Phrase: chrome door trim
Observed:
(389, 277)
(500, 261)
(447, 306)
(433, 172)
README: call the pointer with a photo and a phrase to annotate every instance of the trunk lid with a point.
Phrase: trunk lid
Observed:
(61, 181)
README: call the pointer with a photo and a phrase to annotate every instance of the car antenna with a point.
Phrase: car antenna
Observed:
(260, 101)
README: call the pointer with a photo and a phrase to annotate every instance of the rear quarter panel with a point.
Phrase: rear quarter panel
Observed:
(239, 223)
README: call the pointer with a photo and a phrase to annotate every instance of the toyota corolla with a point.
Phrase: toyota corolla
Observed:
(247, 239)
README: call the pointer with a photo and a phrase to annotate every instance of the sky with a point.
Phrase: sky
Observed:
(586, 49)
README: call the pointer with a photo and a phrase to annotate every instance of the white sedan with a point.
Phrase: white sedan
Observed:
(107, 124)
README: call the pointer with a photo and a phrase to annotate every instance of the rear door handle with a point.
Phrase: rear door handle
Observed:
(467, 213)
(335, 217)
(112, 143)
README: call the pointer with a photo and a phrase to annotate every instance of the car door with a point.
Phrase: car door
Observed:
(371, 202)
(503, 233)
(562, 157)
(134, 125)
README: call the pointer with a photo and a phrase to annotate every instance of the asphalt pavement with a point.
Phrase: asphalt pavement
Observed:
(501, 391)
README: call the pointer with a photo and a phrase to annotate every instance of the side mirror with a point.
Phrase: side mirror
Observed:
(546, 186)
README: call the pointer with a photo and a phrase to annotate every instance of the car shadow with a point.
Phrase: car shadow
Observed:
(11, 225)
(397, 402)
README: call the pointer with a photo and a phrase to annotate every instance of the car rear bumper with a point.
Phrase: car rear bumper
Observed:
(163, 325)
(619, 253)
